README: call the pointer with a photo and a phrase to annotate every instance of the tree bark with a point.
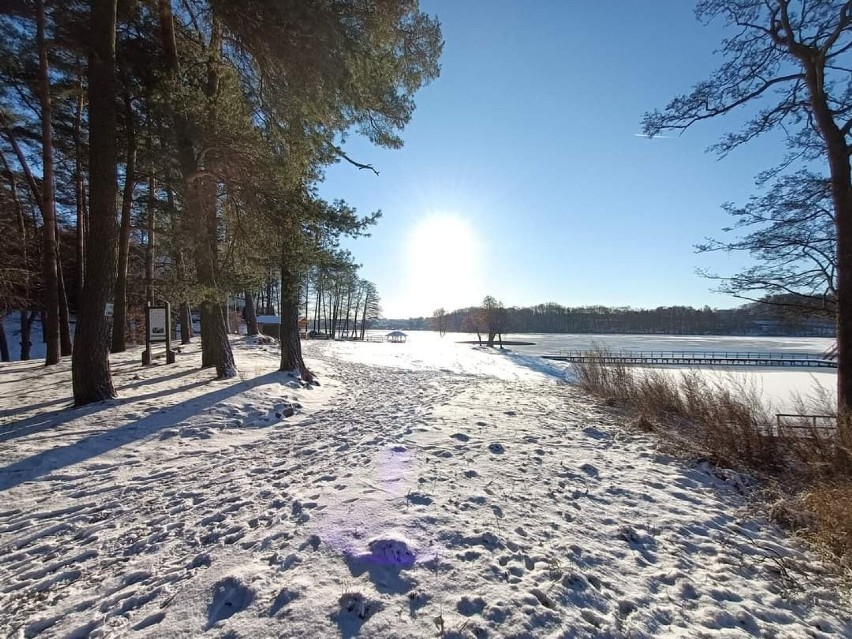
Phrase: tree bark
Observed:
(179, 229)
(250, 314)
(79, 192)
(23, 232)
(150, 245)
(185, 323)
(307, 297)
(91, 376)
(364, 314)
(291, 344)
(151, 242)
(48, 203)
(841, 192)
(4, 345)
(215, 346)
(65, 343)
(26, 342)
(119, 318)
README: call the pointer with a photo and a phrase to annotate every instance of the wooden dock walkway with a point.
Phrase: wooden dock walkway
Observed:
(698, 358)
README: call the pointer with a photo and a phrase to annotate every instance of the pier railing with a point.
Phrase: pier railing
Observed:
(698, 358)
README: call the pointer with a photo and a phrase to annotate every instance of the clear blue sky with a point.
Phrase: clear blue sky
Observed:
(523, 164)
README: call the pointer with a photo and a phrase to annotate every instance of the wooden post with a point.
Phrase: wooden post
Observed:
(170, 354)
(146, 354)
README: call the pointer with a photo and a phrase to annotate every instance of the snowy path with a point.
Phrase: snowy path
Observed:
(407, 499)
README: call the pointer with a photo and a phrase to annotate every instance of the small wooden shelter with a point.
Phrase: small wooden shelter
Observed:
(396, 337)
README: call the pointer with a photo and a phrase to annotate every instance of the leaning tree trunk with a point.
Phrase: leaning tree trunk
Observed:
(48, 203)
(91, 376)
(119, 318)
(251, 315)
(291, 344)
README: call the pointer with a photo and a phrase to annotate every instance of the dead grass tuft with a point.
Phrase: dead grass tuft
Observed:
(829, 504)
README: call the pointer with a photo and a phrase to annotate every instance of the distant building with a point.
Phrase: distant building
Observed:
(271, 325)
(396, 337)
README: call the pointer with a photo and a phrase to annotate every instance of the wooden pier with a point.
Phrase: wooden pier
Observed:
(697, 358)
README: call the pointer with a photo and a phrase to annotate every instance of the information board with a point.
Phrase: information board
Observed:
(157, 326)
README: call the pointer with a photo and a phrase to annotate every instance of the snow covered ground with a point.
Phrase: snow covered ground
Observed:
(420, 491)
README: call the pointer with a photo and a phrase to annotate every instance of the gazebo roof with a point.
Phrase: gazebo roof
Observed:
(397, 334)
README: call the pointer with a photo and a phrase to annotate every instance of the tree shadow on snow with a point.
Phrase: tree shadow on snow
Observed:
(47, 421)
(47, 461)
(157, 379)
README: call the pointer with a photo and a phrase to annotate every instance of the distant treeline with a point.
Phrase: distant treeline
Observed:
(750, 319)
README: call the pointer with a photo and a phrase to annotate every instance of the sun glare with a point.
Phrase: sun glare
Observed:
(443, 263)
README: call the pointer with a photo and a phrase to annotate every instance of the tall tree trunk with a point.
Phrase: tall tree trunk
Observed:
(215, 346)
(79, 192)
(91, 376)
(291, 344)
(317, 301)
(48, 203)
(179, 231)
(268, 308)
(200, 207)
(24, 237)
(4, 345)
(26, 329)
(186, 331)
(119, 317)
(364, 314)
(307, 297)
(348, 311)
(65, 343)
(151, 243)
(841, 192)
(355, 317)
(250, 314)
(335, 306)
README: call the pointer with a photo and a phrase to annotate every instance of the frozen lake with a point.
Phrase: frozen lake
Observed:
(777, 385)
(552, 343)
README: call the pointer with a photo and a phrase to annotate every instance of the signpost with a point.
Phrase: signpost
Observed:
(158, 329)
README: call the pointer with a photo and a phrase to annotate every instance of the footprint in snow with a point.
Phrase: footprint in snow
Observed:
(149, 621)
(230, 596)
(284, 597)
(496, 448)
(469, 607)
(389, 551)
(419, 499)
(590, 470)
(460, 437)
